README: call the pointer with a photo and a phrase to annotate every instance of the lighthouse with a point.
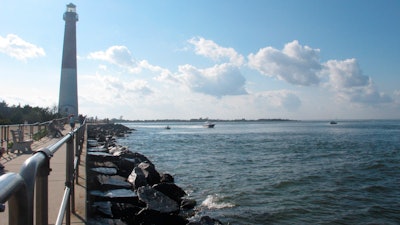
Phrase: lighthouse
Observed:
(68, 98)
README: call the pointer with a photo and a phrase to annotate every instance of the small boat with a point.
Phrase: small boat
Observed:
(333, 122)
(167, 127)
(208, 124)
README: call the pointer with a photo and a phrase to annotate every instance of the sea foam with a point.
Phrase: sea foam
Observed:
(215, 202)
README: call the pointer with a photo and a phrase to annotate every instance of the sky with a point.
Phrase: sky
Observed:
(219, 59)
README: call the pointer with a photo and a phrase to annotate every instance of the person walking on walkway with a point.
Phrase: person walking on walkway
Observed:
(72, 121)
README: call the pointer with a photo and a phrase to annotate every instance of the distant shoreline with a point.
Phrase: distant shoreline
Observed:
(200, 120)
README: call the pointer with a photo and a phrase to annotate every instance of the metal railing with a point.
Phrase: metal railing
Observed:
(29, 131)
(27, 191)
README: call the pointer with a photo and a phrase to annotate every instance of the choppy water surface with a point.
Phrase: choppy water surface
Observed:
(281, 172)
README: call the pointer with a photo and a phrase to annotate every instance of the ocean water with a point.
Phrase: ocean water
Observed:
(281, 172)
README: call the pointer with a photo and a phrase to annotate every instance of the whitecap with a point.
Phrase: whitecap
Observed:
(215, 202)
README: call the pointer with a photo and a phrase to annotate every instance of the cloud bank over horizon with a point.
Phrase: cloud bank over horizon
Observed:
(297, 65)
(224, 86)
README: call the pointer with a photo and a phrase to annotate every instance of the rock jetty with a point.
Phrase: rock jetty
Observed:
(124, 187)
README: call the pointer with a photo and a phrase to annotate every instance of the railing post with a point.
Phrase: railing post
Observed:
(15, 190)
(31, 127)
(1, 136)
(18, 215)
(7, 133)
(42, 190)
(69, 174)
(74, 172)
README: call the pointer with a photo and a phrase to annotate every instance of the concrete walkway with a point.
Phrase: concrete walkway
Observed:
(12, 163)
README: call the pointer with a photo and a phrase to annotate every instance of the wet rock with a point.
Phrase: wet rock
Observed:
(102, 208)
(98, 149)
(130, 160)
(156, 200)
(150, 217)
(102, 156)
(92, 143)
(104, 170)
(101, 138)
(117, 150)
(102, 131)
(188, 204)
(137, 178)
(126, 166)
(137, 156)
(103, 221)
(105, 182)
(206, 220)
(116, 195)
(103, 164)
(171, 190)
(167, 178)
(126, 212)
(150, 172)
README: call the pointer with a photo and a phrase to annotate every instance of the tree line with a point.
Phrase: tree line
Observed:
(17, 114)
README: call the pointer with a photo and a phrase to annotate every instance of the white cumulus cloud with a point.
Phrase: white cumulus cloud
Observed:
(365, 95)
(18, 48)
(219, 80)
(294, 64)
(210, 49)
(117, 55)
(345, 74)
(112, 88)
(347, 79)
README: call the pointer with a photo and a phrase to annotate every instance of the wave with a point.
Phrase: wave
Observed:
(215, 202)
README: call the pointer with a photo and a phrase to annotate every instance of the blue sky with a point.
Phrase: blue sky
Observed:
(221, 59)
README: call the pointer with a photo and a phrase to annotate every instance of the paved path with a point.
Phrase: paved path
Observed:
(12, 163)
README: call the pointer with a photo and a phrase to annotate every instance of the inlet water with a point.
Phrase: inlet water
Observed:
(281, 172)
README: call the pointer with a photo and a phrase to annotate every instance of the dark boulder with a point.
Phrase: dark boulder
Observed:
(171, 190)
(137, 156)
(126, 211)
(126, 166)
(102, 164)
(102, 208)
(137, 178)
(156, 200)
(188, 204)
(206, 220)
(115, 195)
(101, 138)
(151, 217)
(101, 157)
(104, 170)
(102, 221)
(167, 178)
(104, 182)
(150, 172)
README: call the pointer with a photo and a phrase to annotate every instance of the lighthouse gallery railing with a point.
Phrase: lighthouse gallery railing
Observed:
(19, 188)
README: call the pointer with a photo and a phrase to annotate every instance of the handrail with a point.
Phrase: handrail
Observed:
(18, 189)
(29, 129)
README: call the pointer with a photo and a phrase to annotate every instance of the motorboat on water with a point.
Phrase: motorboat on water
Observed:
(333, 122)
(167, 127)
(208, 124)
